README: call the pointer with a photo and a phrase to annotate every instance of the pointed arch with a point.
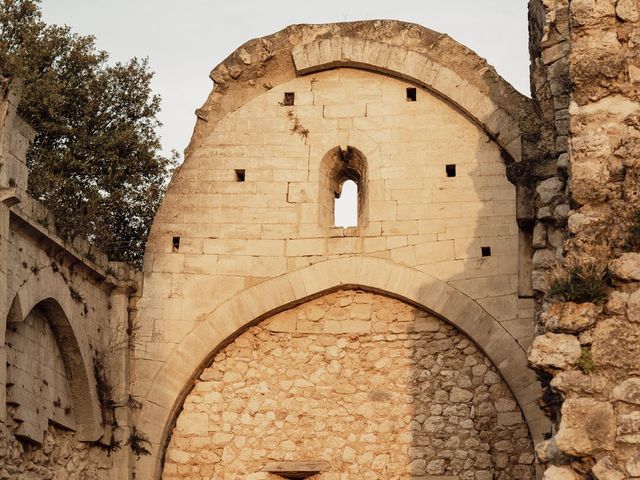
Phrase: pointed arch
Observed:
(174, 381)
(49, 292)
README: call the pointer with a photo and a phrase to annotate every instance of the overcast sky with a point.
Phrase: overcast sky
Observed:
(185, 39)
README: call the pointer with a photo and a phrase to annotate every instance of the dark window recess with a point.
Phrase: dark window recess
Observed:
(289, 99)
(451, 170)
(240, 174)
(486, 251)
(176, 244)
(412, 94)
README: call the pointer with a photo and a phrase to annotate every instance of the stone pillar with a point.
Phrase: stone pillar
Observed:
(119, 366)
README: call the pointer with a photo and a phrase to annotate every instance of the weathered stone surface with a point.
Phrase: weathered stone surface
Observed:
(569, 317)
(61, 456)
(578, 382)
(632, 467)
(617, 303)
(550, 189)
(626, 267)
(616, 343)
(628, 391)
(587, 426)
(555, 351)
(417, 402)
(627, 10)
(547, 452)
(560, 473)
(606, 469)
(633, 306)
(629, 428)
(544, 259)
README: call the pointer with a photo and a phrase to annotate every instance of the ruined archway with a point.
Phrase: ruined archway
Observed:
(47, 292)
(175, 380)
(239, 238)
(357, 384)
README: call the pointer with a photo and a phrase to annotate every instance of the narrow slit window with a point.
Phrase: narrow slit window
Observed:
(486, 251)
(451, 170)
(345, 208)
(176, 244)
(240, 175)
(412, 94)
(289, 99)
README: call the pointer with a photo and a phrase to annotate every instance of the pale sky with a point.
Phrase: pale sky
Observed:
(185, 39)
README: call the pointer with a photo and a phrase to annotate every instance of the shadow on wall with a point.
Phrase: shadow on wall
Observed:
(373, 386)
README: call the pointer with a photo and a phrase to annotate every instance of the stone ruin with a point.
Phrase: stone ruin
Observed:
(480, 321)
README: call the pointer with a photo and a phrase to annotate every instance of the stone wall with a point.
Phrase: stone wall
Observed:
(60, 456)
(251, 204)
(374, 386)
(64, 326)
(589, 269)
(37, 386)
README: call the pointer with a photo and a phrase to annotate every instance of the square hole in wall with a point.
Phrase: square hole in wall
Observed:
(176, 244)
(486, 251)
(289, 99)
(412, 94)
(240, 175)
(451, 170)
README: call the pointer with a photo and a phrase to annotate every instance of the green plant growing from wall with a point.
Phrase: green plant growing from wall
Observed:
(580, 283)
(585, 362)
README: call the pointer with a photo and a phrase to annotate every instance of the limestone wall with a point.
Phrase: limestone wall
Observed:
(587, 347)
(431, 135)
(59, 456)
(236, 234)
(64, 326)
(371, 385)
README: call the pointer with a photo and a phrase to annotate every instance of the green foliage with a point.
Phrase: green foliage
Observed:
(96, 160)
(585, 362)
(580, 283)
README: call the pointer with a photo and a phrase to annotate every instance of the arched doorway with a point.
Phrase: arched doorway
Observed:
(351, 383)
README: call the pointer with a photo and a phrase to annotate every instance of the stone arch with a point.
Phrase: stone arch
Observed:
(49, 292)
(401, 62)
(173, 382)
(404, 50)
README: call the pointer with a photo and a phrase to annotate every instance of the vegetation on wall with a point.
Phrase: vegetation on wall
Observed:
(580, 282)
(96, 160)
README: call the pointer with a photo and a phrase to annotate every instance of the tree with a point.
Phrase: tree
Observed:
(96, 160)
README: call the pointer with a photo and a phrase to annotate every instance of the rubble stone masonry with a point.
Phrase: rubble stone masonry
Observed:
(374, 386)
(585, 77)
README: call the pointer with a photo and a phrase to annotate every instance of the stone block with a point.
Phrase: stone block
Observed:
(587, 426)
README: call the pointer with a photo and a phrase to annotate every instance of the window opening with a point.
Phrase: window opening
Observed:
(412, 94)
(240, 174)
(289, 99)
(451, 170)
(345, 208)
(176, 244)
(486, 251)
